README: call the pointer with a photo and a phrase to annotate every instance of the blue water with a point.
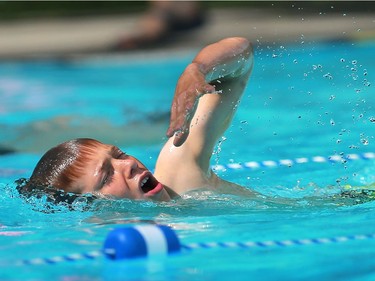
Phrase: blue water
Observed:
(314, 99)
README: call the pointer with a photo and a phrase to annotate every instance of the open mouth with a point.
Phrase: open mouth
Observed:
(148, 184)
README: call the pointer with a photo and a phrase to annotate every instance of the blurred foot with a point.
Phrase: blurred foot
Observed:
(6, 150)
(162, 20)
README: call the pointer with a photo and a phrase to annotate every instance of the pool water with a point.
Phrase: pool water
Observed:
(305, 100)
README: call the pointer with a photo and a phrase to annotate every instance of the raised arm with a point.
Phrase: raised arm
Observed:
(206, 98)
(213, 70)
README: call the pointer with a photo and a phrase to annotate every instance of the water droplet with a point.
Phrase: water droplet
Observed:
(328, 75)
(332, 97)
(342, 60)
(295, 61)
(353, 146)
(274, 56)
(364, 141)
(354, 62)
(332, 122)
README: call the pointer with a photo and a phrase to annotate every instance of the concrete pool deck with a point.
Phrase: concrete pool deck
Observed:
(90, 35)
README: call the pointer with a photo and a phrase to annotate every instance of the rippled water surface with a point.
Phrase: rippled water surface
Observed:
(302, 101)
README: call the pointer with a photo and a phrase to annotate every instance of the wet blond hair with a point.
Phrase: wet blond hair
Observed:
(61, 167)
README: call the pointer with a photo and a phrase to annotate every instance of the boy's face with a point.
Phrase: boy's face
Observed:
(111, 172)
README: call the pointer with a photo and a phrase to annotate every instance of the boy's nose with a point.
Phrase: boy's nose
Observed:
(128, 167)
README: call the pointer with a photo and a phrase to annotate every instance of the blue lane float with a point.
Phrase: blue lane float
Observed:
(141, 241)
(146, 241)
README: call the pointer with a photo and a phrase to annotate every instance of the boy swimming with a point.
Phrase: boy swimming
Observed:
(205, 100)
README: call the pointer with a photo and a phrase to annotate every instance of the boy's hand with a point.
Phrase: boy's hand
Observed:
(190, 87)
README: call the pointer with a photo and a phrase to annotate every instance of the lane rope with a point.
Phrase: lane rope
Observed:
(336, 158)
(136, 242)
(253, 165)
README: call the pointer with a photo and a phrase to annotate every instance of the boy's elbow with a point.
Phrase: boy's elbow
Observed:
(242, 40)
(244, 51)
(241, 43)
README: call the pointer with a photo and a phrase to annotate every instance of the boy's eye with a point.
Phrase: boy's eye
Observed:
(107, 179)
(120, 155)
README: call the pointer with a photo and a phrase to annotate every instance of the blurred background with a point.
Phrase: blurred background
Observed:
(46, 87)
(50, 28)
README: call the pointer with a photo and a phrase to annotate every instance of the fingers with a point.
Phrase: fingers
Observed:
(180, 133)
(182, 111)
(180, 137)
(177, 119)
(208, 89)
(180, 129)
(172, 123)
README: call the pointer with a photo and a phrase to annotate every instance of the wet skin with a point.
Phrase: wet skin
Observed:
(113, 172)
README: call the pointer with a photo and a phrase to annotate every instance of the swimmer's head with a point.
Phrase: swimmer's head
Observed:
(83, 166)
